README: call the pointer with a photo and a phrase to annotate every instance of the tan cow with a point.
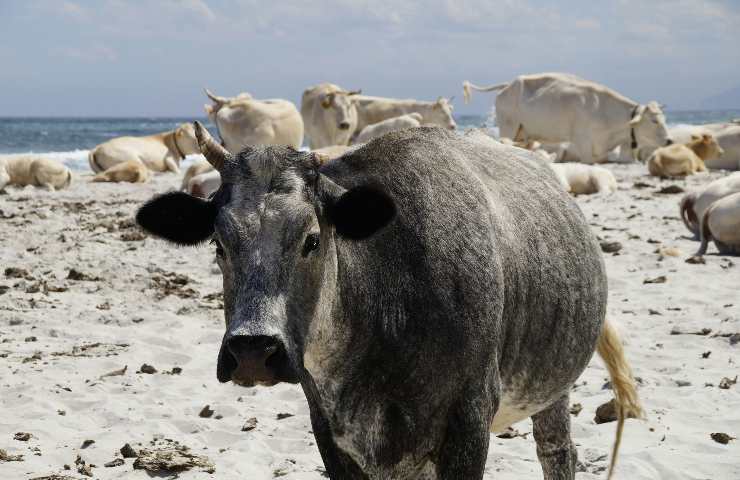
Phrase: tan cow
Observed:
(131, 171)
(728, 138)
(679, 160)
(721, 223)
(329, 115)
(25, 170)
(372, 110)
(580, 179)
(243, 120)
(161, 152)
(695, 204)
(410, 120)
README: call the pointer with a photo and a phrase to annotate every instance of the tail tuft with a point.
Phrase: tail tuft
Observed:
(611, 351)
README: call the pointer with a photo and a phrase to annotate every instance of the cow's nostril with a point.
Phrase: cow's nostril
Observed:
(257, 359)
(669, 142)
(344, 126)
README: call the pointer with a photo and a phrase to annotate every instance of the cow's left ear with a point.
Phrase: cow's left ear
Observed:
(360, 212)
(178, 217)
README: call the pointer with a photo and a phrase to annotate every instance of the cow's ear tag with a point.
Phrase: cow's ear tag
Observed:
(178, 217)
(360, 212)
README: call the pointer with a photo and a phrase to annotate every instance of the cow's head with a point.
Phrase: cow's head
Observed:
(185, 138)
(441, 113)
(648, 125)
(275, 224)
(343, 110)
(706, 146)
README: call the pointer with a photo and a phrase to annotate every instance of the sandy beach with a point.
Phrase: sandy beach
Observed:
(88, 304)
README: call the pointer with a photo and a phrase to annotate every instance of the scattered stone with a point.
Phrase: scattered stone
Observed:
(671, 189)
(726, 382)
(653, 241)
(734, 338)
(508, 434)
(22, 436)
(703, 332)
(115, 373)
(660, 279)
(250, 424)
(206, 412)
(128, 451)
(706, 354)
(722, 438)
(575, 409)
(87, 443)
(5, 457)
(148, 369)
(610, 247)
(61, 412)
(281, 416)
(30, 339)
(696, 260)
(15, 322)
(4, 289)
(83, 277)
(135, 236)
(654, 312)
(117, 462)
(607, 412)
(176, 370)
(55, 477)
(15, 272)
(172, 461)
(683, 383)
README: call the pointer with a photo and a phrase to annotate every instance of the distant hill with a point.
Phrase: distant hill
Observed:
(729, 99)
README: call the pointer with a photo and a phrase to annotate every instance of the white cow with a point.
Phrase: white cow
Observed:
(727, 135)
(243, 120)
(372, 110)
(559, 107)
(721, 223)
(25, 170)
(329, 115)
(695, 204)
(580, 179)
(410, 120)
(160, 152)
(132, 171)
(204, 184)
(196, 168)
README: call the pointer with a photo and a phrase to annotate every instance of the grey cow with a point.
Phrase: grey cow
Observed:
(424, 289)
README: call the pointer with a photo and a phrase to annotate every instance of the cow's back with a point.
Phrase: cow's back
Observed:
(488, 253)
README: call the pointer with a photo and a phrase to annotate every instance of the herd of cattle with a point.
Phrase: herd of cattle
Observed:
(570, 122)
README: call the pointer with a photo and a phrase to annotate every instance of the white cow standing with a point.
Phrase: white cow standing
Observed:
(559, 107)
(695, 204)
(721, 223)
(243, 120)
(329, 115)
(372, 110)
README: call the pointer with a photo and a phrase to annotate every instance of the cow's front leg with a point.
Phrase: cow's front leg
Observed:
(465, 447)
(555, 449)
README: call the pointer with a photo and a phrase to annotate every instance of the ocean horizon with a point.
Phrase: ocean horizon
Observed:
(68, 139)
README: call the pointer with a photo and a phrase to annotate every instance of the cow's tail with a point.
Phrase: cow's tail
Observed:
(704, 233)
(688, 215)
(469, 87)
(611, 351)
(93, 163)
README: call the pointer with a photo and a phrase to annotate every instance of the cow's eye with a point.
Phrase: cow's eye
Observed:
(311, 243)
(219, 248)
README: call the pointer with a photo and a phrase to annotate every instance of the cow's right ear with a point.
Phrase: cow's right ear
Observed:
(178, 217)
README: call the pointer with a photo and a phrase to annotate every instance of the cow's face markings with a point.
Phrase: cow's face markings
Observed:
(649, 125)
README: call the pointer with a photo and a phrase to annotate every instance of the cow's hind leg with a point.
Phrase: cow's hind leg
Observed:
(555, 449)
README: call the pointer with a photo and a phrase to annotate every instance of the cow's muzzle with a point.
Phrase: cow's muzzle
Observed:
(344, 126)
(254, 360)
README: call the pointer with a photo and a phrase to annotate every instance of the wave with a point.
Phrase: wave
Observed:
(76, 160)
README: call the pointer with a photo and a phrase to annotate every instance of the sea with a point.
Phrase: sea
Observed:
(69, 139)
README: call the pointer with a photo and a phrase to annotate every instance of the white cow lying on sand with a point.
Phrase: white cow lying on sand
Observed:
(695, 204)
(580, 179)
(329, 115)
(728, 138)
(559, 107)
(25, 170)
(679, 160)
(132, 171)
(372, 110)
(721, 223)
(532, 146)
(196, 168)
(410, 120)
(161, 152)
(243, 120)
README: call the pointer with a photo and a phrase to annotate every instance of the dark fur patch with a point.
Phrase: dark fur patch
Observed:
(178, 217)
(361, 211)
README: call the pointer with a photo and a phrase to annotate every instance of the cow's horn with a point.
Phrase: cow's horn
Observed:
(214, 153)
(215, 98)
(355, 92)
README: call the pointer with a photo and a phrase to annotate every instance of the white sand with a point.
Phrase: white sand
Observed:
(123, 308)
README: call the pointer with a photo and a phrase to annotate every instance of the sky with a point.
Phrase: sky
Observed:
(153, 57)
